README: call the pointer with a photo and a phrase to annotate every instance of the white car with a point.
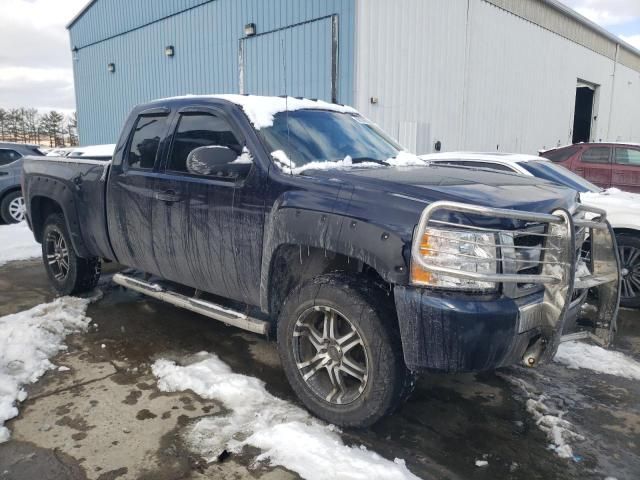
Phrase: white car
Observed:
(623, 208)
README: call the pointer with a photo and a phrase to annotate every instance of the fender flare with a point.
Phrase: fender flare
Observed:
(62, 194)
(371, 244)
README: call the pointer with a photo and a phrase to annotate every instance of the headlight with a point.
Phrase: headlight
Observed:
(464, 251)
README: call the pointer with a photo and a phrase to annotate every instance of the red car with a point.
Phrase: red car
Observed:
(605, 164)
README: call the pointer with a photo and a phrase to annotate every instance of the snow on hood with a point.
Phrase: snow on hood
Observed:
(611, 196)
(261, 110)
(403, 159)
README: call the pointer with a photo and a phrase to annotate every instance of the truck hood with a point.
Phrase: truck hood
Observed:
(430, 183)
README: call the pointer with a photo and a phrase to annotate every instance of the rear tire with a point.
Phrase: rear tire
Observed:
(341, 351)
(629, 250)
(68, 273)
(12, 207)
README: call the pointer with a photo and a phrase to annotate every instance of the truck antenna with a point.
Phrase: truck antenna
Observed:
(286, 98)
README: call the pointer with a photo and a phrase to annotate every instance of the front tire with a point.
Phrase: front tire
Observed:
(629, 250)
(68, 273)
(12, 208)
(340, 348)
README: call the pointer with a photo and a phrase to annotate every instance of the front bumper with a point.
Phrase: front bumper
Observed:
(454, 331)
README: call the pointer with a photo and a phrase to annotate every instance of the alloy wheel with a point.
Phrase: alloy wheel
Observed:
(57, 254)
(630, 260)
(17, 209)
(330, 355)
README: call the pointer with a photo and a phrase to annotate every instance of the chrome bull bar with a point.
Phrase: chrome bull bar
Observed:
(559, 260)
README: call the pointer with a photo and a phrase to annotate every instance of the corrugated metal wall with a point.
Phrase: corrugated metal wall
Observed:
(477, 77)
(206, 40)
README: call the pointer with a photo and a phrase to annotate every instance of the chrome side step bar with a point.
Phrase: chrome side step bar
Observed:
(208, 309)
(583, 335)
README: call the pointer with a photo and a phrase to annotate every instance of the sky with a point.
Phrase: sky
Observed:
(35, 61)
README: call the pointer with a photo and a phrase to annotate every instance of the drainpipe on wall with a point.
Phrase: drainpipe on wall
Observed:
(613, 91)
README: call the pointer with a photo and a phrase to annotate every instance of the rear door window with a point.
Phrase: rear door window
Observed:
(147, 134)
(596, 155)
(560, 155)
(8, 156)
(627, 156)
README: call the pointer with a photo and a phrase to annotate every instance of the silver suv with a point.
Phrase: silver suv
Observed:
(12, 209)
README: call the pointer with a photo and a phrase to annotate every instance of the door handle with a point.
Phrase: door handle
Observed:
(168, 196)
(4, 174)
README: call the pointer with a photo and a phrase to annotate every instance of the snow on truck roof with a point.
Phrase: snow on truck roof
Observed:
(261, 110)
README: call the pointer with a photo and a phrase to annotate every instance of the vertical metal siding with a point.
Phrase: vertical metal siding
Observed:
(296, 60)
(206, 40)
(477, 77)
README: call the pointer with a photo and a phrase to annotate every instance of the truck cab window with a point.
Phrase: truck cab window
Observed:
(8, 156)
(148, 131)
(200, 130)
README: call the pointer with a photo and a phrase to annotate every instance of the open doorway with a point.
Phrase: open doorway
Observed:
(584, 116)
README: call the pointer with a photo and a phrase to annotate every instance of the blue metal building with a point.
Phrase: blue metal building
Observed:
(128, 52)
(480, 75)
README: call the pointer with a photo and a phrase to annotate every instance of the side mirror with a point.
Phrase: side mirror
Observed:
(210, 160)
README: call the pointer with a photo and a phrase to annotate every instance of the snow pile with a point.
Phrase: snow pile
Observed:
(592, 357)
(17, 243)
(287, 435)
(245, 157)
(406, 159)
(27, 340)
(261, 110)
(548, 418)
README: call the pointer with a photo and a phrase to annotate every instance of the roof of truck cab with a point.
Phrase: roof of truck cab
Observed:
(260, 109)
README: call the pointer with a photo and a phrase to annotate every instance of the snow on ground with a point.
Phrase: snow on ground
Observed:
(548, 418)
(287, 435)
(17, 243)
(27, 340)
(592, 357)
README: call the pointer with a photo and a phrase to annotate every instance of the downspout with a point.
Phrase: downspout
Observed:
(613, 91)
(467, 47)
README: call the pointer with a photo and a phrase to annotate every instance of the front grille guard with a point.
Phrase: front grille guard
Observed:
(558, 263)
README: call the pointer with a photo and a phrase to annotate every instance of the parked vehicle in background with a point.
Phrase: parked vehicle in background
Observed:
(96, 152)
(12, 207)
(623, 208)
(604, 164)
(59, 152)
(301, 219)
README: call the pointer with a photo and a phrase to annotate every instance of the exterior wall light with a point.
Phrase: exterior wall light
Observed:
(250, 29)
(111, 67)
(74, 53)
(169, 51)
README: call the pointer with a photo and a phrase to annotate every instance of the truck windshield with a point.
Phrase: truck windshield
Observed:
(324, 136)
(558, 174)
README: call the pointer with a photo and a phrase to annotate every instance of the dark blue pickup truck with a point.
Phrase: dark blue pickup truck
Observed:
(302, 220)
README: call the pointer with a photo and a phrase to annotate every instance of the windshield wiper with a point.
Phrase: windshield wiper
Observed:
(368, 159)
